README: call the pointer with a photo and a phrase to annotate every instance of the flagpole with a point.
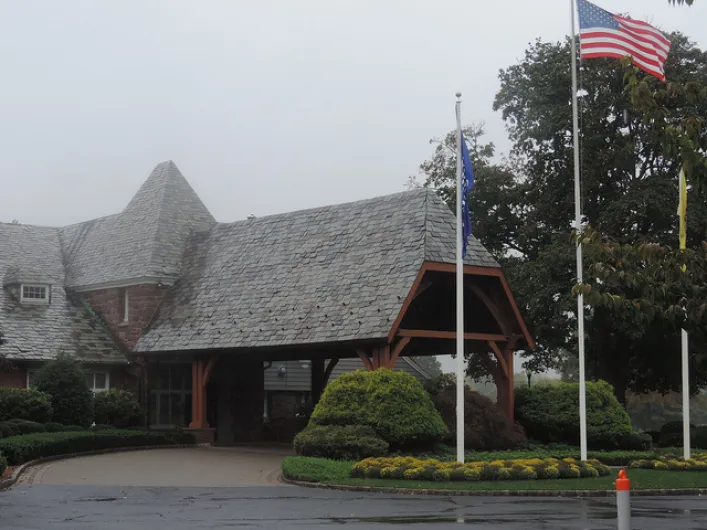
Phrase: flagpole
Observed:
(460, 292)
(682, 214)
(578, 227)
(685, 398)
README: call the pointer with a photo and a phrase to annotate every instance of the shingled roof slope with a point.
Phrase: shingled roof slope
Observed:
(327, 274)
(40, 331)
(146, 241)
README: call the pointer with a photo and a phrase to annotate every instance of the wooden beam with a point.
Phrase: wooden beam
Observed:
(468, 269)
(408, 300)
(404, 341)
(500, 357)
(421, 289)
(431, 334)
(330, 368)
(207, 370)
(526, 334)
(492, 307)
(366, 360)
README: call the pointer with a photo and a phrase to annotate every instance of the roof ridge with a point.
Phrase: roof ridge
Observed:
(323, 208)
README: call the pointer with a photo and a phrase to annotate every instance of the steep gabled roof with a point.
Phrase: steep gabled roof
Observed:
(40, 331)
(322, 275)
(144, 242)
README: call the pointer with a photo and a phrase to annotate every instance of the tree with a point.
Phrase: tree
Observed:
(429, 363)
(640, 299)
(64, 381)
(524, 213)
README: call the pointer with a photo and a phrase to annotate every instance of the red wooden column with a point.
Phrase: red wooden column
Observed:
(510, 386)
(198, 395)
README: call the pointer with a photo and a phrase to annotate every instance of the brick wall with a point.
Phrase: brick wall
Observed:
(13, 376)
(143, 301)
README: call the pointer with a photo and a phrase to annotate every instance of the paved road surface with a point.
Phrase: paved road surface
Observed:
(203, 466)
(44, 507)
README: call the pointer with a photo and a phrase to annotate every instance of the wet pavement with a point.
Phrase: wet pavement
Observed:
(40, 507)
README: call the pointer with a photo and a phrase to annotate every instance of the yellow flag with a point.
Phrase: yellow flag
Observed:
(682, 211)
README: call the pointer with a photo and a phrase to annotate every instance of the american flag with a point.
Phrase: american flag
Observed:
(603, 34)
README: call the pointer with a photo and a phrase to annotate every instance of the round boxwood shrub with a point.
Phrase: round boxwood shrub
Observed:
(28, 427)
(72, 401)
(350, 442)
(393, 404)
(117, 408)
(671, 434)
(485, 427)
(8, 428)
(550, 414)
(32, 405)
(52, 426)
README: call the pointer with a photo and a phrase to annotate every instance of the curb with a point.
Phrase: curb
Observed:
(8, 483)
(693, 492)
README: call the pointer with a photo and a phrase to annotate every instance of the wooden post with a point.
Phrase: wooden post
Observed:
(510, 389)
(198, 395)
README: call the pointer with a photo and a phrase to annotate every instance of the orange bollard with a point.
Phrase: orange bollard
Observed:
(623, 501)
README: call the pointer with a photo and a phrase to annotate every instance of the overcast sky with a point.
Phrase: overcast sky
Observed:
(265, 106)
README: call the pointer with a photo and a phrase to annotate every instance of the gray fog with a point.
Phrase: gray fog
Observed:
(266, 106)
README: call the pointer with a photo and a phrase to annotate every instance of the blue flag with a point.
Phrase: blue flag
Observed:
(467, 184)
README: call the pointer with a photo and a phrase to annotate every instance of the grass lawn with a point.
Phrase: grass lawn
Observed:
(333, 472)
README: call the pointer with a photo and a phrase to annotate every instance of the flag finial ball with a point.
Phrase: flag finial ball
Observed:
(459, 94)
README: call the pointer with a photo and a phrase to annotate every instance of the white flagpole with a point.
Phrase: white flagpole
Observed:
(578, 226)
(460, 292)
(685, 398)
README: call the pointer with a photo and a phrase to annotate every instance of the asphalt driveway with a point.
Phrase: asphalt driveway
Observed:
(202, 466)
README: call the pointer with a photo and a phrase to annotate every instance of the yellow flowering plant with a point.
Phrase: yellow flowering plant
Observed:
(672, 463)
(410, 468)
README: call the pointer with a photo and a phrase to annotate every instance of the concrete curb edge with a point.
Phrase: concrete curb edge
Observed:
(500, 493)
(8, 483)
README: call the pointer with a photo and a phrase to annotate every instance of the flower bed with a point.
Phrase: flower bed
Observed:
(671, 463)
(408, 468)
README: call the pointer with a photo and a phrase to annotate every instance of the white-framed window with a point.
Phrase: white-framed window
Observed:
(124, 305)
(34, 293)
(98, 381)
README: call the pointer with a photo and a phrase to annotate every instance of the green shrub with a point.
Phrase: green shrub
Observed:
(28, 427)
(350, 442)
(3, 465)
(394, 404)
(72, 401)
(20, 449)
(671, 434)
(32, 405)
(72, 428)
(101, 427)
(550, 414)
(53, 427)
(699, 437)
(8, 428)
(118, 408)
(485, 427)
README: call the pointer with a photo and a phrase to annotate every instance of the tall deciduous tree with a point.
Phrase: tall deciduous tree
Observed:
(523, 210)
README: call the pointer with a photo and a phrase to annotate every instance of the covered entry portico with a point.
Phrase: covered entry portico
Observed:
(371, 280)
(222, 390)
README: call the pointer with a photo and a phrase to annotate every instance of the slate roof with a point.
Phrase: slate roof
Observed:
(37, 331)
(145, 241)
(327, 274)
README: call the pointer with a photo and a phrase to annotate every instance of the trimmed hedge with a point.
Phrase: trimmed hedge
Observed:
(394, 404)
(407, 468)
(485, 427)
(18, 403)
(28, 427)
(64, 381)
(550, 414)
(118, 408)
(21, 449)
(350, 442)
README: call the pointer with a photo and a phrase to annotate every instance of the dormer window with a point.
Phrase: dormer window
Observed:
(34, 293)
